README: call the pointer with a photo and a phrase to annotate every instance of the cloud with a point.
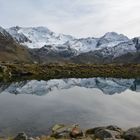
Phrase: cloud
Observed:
(80, 18)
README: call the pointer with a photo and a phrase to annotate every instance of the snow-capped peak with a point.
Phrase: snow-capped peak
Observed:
(37, 37)
(113, 36)
(111, 39)
(111, 43)
(83, 45)
(19, 37)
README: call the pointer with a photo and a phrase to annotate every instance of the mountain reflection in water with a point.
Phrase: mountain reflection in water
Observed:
(108, 86)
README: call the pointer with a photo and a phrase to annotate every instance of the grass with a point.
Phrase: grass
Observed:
(51, 71)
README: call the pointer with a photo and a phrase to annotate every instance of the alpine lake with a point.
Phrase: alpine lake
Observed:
(34, 106)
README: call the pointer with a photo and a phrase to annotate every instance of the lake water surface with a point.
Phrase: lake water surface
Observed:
(35, 106)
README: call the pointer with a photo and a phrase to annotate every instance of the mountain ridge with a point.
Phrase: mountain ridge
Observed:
(45, 45)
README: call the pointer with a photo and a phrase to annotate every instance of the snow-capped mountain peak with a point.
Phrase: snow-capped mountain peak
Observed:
(112, 39)
(113, 36)
(37, 37)
(111, 44)
(83, 45)
(19, 37)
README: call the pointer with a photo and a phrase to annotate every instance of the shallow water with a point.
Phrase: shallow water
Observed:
(35, 106)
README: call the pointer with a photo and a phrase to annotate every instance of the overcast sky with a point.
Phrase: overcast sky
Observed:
(81, 18)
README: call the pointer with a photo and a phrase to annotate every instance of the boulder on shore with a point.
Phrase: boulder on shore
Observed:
(108, 133)
(63, 131)
(132, 134)
(21, 136)
(67, 132)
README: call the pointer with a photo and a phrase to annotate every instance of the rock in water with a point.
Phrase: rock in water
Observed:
(21, 136)
(132, 134)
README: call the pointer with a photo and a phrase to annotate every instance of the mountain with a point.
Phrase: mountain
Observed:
(120, 53)
(108, 86)
(37, 37)
(10, 50)
(46, 46)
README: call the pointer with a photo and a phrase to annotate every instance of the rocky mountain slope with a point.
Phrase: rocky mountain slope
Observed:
(46, 46)
(10, 50)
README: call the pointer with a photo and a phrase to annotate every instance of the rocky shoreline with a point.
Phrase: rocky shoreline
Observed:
(74, 132)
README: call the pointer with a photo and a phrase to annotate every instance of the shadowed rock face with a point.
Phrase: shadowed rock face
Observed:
(44, 55)
(108, 86)
(136, 41)
(10, 50)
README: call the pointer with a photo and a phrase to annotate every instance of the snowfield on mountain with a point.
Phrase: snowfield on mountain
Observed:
(38, 37)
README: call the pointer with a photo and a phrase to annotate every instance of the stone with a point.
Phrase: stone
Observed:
(61, 131)
(64, 131)
(115, 128)
(76, 132)
(21, 136)
(132, 134)
(57, 127)
(106, 133)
